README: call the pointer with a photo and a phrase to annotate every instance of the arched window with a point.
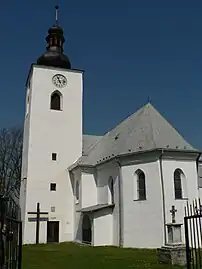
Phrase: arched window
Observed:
(77, 191)
(56, 101)
(179, 183)
(141, 187)
(111, 189)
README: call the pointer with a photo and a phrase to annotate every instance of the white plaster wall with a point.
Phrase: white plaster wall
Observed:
(191, 179)
(103, 228)
(78, 227)
(88, 190)
(104, 172)
(53, 131)
(26, 131)
(76, 176)
(24, 168)
(142, 220)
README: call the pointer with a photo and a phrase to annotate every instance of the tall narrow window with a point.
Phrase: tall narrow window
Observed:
(141, 187)
(111, 189)
(77, 191)
(53, 187)
(54, 156)
(56, 101)
(178, 183)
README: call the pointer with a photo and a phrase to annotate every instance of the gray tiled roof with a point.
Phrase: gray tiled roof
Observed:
(144, 130)
(88, 142)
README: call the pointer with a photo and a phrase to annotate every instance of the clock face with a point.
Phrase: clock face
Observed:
(59, 81)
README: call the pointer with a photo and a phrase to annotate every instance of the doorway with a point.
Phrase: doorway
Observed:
(86, 230)
(53, 232)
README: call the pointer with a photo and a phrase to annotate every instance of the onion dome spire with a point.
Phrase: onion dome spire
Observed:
(54, 55)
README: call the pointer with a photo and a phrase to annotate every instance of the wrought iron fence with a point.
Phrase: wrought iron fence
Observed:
(10, 234)
(193, 234)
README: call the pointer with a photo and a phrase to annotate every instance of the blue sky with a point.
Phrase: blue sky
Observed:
(129, 50)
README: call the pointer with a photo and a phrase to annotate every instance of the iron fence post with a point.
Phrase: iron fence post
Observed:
(20, 247)
(188, 257)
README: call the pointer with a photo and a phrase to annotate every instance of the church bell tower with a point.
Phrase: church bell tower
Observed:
(52, 142)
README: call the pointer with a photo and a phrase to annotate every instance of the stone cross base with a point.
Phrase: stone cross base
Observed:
(172, 254)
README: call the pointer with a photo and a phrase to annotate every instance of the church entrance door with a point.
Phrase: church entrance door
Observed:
(86, 230)
(52, 231)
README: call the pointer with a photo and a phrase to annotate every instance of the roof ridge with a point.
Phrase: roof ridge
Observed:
(92, 135)
(93, 146)
(121, 122)
(151, 125)
(127, 118)
(171, 125)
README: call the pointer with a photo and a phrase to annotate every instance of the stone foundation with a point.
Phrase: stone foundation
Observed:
(172, 254)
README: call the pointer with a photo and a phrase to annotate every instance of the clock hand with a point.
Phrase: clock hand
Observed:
(58, 77)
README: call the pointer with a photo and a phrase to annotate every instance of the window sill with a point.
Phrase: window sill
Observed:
(55, 109)
(140, 200)
(182, 199)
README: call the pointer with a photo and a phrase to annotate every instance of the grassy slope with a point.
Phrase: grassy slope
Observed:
(72, 256)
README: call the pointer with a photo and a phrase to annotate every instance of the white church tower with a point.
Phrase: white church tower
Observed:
(52, 142)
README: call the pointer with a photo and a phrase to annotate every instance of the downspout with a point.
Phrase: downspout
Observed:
(120, 191)
(163, 197)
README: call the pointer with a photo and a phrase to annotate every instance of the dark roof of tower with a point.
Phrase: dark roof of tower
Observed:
(54, 56)
(55, 59)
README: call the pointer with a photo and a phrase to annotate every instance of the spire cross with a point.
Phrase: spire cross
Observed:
(56, 12)
(148, 99)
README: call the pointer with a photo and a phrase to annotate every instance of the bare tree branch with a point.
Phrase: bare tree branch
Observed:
(11, 141)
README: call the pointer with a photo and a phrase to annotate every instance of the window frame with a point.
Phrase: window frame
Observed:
(58, 94)
(141, 190)
(137, 189)
(54, 154)
(178, 184)
(51, 186)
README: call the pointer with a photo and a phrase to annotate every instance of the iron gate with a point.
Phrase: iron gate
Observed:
(193, 234)
(10, 234)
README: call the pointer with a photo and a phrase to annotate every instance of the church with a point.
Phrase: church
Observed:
(117, 189)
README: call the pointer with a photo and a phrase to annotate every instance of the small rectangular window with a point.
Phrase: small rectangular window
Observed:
(53, 186)
(54, 156)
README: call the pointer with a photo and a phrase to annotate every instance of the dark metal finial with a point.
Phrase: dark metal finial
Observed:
(56, 12)
(148, 99)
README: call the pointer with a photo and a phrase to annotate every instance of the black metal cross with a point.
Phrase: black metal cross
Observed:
(173, 211)
(38, 219)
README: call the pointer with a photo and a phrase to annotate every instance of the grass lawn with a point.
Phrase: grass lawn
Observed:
(71, 256)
